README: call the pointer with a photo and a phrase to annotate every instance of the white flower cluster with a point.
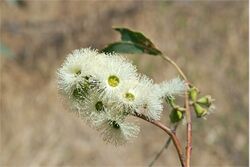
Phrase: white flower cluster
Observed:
(105, 89)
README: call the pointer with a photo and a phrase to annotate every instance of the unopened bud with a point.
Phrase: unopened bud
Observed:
(205, 100)
(200, 111)
(175, 115)
(193, 93)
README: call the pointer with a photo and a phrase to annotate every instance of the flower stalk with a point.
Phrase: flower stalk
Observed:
(188, 112)
(189, 131)
(167, 143)
(171, 133)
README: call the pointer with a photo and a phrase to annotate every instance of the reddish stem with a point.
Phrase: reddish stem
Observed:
(172, 134)
(188, 112)
(189, 131)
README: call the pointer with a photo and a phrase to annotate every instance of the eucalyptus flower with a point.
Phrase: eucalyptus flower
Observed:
(114, 74)
(105, 89)
(172, 87)
(93, 107)
(151, 99)
(117, 131)
(130, 96)
(76, 68)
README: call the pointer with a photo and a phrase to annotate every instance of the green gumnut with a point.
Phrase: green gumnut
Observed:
(200, 111)
(175, 116)
(193, 93)
(205, 100)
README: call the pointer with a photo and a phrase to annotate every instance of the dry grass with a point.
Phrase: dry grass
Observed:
(208, 39)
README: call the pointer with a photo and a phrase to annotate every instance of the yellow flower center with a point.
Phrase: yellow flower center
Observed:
(113, 81)
(76, 70)
(129, 96)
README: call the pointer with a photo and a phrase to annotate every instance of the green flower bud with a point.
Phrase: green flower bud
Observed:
(200, 111)
(176, 115)
(181, 109)
(205, 100)
(193, 93)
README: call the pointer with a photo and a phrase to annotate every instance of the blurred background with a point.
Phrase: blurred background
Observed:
(209, 40)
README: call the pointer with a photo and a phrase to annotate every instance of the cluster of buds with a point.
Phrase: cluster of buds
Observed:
(202, 105)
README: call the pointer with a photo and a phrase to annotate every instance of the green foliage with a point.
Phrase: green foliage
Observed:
(20, 3)
(132, 42)
(123, 47)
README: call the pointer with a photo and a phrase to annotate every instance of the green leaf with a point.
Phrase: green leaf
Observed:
(135, 37)
(20, 3)
(132, 42)
(129, 47)
(122, 47)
